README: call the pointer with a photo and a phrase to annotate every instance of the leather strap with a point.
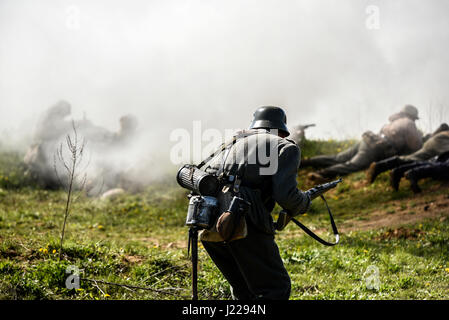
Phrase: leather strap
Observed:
(313, 235)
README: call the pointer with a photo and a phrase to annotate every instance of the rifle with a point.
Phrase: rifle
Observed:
(304, 126)
(284, 218)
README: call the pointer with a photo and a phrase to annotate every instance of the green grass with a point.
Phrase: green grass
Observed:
(310, 148)
(140, 240)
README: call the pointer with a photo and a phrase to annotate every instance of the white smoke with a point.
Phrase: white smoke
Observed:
(173, 62)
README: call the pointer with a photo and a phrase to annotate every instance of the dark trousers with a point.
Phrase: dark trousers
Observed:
(331, 160)
(252, 266)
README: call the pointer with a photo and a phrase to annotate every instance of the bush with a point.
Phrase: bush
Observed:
(13, 171)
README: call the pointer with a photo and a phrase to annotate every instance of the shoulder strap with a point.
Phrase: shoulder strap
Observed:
(225, 146)
(220, 149)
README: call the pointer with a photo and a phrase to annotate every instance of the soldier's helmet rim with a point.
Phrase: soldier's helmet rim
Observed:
(270, 117)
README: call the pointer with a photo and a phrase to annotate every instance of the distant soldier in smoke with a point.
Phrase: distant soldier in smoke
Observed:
(53, 123)
(398, 137)
(98, 137)
(298, 133)
(127, 131)
(39, 158)
(115, 174)
(52, 129)
(434, 152)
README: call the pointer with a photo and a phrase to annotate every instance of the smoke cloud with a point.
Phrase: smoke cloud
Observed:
(343, 65)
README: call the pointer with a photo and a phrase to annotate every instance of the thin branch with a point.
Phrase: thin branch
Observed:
(162, 291)
(96, 285)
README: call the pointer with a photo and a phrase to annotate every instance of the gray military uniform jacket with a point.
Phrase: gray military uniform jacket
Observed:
(268, 167)
(402, 133)
(434, 146)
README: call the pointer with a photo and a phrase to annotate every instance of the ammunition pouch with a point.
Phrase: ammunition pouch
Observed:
(231, 225)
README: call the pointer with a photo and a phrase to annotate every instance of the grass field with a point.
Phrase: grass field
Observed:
(134, 246)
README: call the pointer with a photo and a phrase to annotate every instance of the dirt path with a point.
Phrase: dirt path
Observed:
(437, 208)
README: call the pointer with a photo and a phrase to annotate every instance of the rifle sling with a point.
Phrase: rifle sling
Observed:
(316, 237)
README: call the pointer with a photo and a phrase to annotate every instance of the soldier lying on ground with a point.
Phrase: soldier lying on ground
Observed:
(437, 169)
(398, 137)
(437, 144)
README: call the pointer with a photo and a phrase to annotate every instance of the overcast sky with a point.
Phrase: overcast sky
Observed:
(344, 65)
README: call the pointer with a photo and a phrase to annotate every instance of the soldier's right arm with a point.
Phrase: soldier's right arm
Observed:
(284, 184)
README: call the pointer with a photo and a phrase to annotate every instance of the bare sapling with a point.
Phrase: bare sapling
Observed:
(74, 180)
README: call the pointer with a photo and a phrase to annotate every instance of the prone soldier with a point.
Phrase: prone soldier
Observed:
(398, 137)
(432, 155)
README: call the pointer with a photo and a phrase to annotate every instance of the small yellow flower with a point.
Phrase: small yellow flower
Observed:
(161, 218)
(40, 249)
(79, 289)
(447, 269)
(54, 251)
(100, 226)
(305, 214)
(106, 295)
(45, 251)
(427, 283)
(364, 250)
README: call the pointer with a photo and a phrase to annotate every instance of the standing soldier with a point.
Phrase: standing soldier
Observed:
(252, 265)
(398, 137)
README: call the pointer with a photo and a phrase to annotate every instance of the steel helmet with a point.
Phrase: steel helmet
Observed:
(411, 111)
(269, 117)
